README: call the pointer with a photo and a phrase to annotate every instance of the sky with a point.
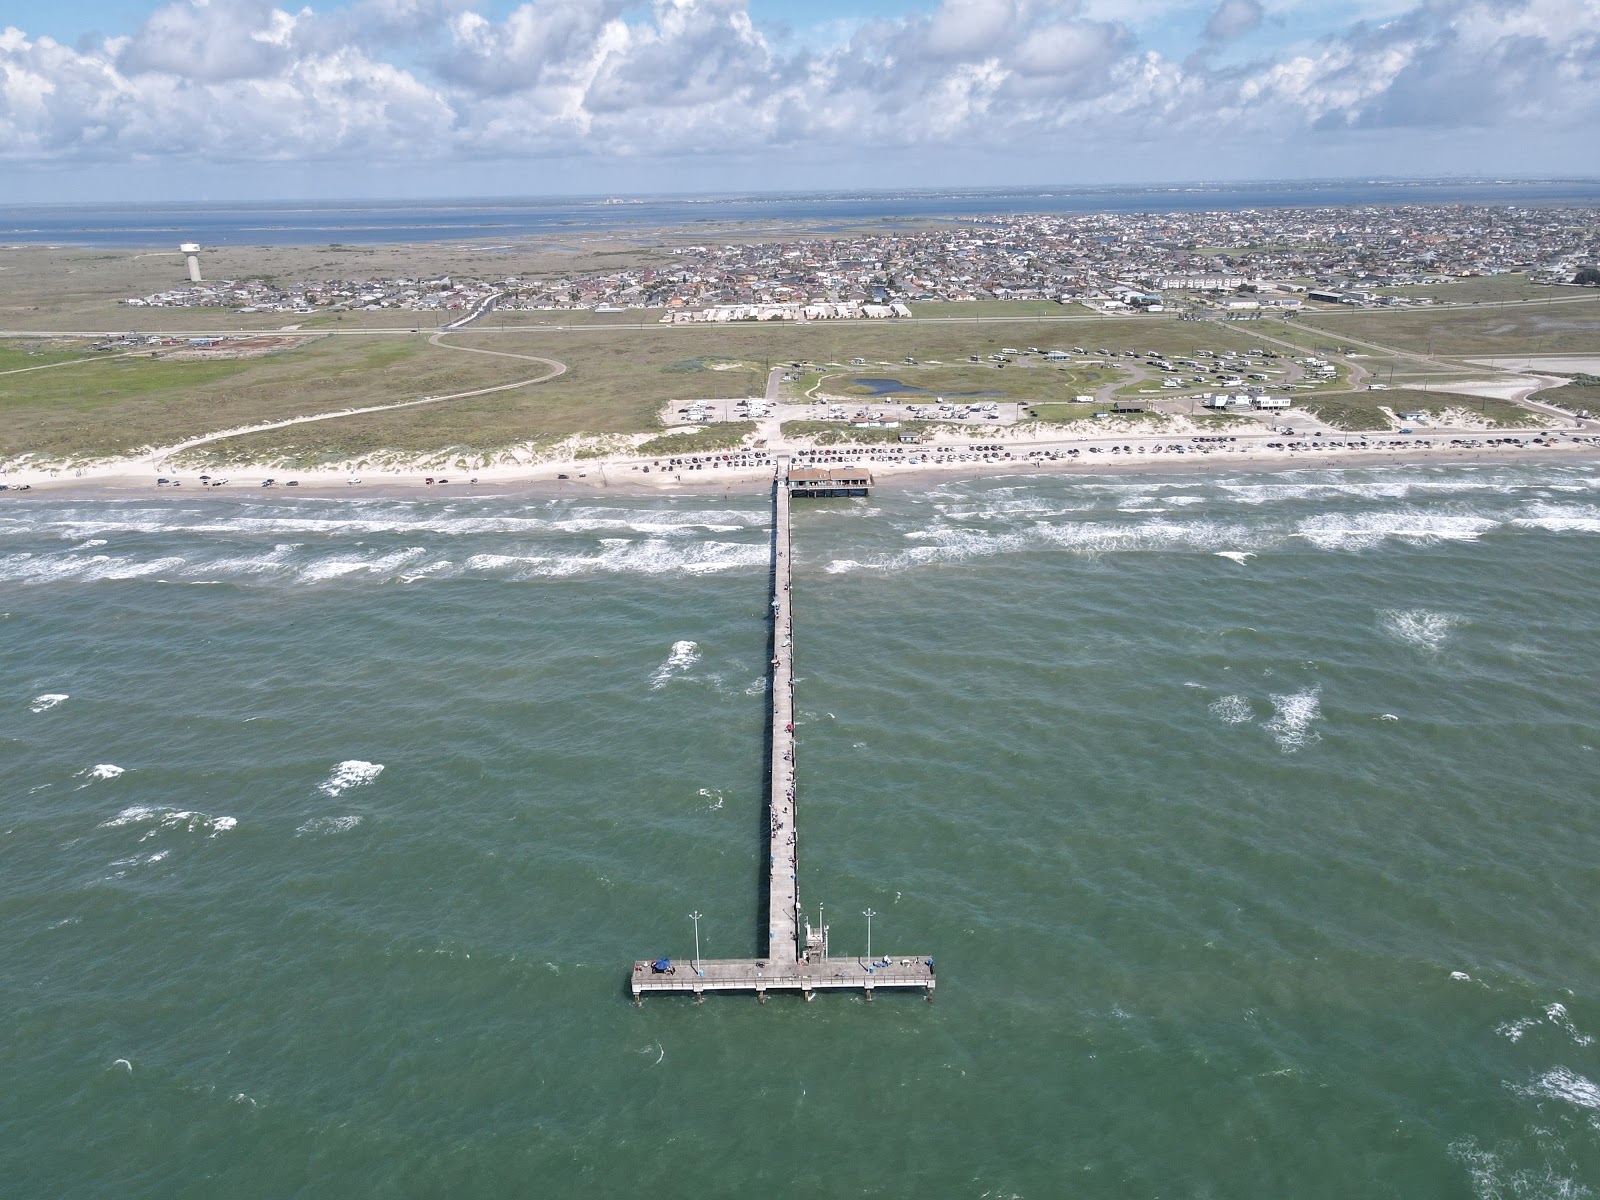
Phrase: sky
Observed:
(106, 100)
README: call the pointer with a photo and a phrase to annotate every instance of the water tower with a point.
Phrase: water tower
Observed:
(192, 249)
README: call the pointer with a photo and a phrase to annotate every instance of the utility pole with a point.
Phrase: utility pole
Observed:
(869, 914)
(695, 917)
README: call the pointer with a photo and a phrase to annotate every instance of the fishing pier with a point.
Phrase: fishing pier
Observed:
(797, 958)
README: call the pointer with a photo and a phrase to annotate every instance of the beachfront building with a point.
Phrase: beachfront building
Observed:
(817, 482)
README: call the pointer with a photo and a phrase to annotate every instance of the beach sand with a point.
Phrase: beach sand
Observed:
(629, 474)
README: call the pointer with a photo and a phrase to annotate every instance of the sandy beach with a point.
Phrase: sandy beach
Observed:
(740, 472)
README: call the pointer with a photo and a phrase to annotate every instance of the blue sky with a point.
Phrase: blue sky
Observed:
(103, 99)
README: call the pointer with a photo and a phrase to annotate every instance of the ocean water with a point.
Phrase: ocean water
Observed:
(1252, 820)
(492, 220)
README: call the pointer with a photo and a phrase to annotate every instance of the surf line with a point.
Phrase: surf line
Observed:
(793, 962)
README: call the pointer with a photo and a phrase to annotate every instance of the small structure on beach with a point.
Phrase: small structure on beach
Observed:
(817, 482)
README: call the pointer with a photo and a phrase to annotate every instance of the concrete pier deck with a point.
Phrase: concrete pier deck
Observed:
(758, 976)
(783, 889)
(793, 963)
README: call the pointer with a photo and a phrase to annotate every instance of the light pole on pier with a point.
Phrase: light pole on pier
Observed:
(869, 914)
(695, 917)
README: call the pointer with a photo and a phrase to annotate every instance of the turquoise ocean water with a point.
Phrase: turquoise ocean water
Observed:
(1252, 819)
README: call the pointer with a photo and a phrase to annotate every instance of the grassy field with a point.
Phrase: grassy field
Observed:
(1065, 414)
(723, 436)
(1011, 309)
(619, 380)
(1572, 395)
(1361, 411)
(121, 404)
(972, 380)
(1571, 327)
(831, 433)
(1480, 289)
(18, 354)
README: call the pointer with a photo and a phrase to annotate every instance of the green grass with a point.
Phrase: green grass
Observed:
(1483, 289)
(121, 404)
(20, 353)
(831, 433)
(514, 318)
(1360, 411)
(1572, 395)
(1571, 327)
(617, 382)
(1013, 309)
(966, 381)
(1056, 413)
(725, 436)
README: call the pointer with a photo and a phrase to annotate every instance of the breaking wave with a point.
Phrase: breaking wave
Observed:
(46, 702)
(1292, 716)
(676, 665)
(325, 825)
(165, 817)
(353, 772)
(1563, 1084)
(1419, 627)
(1232, 710)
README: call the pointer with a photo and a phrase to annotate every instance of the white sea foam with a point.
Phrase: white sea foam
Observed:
(1556, 1014)
(384, 565)
(142, 860)
(161, 816)
(1492, 1179)
(1562, 1083)
(353, 772)
(46, 702)
(1419, 626)
(100, 771)
(1238, 556)
(676, 665)
(712, 797)
(327, 825)
(1233, 710)
(1364, 531)
(1512, 1031)
(1560, 518)
(1292, 716)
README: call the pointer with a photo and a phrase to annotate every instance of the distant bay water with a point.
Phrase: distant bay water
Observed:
(1252, 819)
(490, 220)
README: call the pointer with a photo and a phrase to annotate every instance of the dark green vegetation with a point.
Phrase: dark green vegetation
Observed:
(972, 381)
(831, 433)
(1362, 411)
(725, 436)
(1582, 392)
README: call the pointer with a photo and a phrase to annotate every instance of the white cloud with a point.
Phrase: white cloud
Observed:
(434, 81)
(1233, 18)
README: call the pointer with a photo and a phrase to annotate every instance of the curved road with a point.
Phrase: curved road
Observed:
(157, 458)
